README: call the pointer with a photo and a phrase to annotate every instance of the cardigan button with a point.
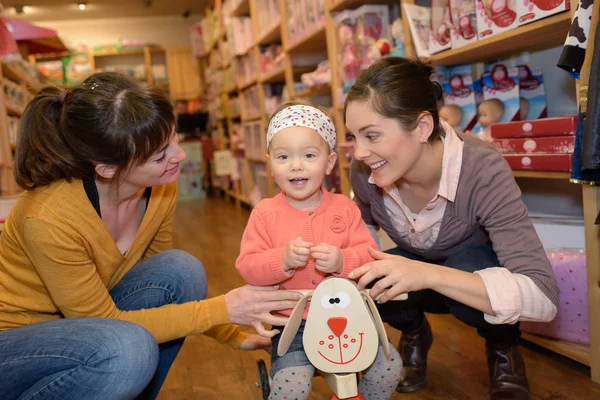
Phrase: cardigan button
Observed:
(314, 282)
(412, 230)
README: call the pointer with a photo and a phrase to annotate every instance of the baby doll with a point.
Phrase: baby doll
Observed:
(350, 59)
(490, 112)
(303, 235)
(452, 114)
(524, 108)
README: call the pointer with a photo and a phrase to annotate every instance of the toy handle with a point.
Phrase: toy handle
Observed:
(400, 297)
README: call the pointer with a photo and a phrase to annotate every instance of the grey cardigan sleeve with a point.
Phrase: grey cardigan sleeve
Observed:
(499, 208)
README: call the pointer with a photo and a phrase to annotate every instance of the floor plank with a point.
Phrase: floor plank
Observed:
(211, 230)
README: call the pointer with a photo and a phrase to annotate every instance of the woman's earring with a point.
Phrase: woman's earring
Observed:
(423, 140)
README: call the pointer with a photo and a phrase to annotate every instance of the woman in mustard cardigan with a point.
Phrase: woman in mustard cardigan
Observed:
(94, 304)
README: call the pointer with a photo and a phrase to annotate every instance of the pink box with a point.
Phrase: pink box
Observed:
(496, 16)
(532, 10)
(540, 127)
(571, 322)
(539, 162)
(553, 145)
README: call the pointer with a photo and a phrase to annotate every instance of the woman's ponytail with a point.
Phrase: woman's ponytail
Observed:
(43, 154)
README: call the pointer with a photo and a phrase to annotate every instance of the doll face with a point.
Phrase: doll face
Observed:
(489, 113)
(451, 115)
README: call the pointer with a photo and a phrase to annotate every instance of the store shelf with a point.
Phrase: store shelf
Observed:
(276, 75)
(246, 85)
(251, 117)
(575, 351)
(321, 90)
(535, 36)
(14, 75)
(14, 109)
(136, 52)
(542, 174)
(338, 5)
(242, 9)
(314, 42)
(271, 34)
(257, 160)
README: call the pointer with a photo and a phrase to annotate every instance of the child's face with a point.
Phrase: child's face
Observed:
(299, 160)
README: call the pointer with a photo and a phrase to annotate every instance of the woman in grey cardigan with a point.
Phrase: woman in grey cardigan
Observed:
(449, 202)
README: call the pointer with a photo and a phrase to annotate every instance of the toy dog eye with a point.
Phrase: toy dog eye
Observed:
(327, 302)
(342, 299)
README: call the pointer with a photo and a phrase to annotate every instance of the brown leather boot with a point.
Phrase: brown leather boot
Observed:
(507, 372)
(413, 348)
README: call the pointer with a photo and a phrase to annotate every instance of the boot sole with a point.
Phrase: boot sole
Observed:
(413, 388)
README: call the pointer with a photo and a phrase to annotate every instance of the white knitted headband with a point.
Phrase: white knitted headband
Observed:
(306, 116)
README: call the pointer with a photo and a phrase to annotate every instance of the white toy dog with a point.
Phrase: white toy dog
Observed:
(342, 333)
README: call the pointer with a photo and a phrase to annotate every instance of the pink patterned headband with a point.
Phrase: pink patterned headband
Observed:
(306, 116)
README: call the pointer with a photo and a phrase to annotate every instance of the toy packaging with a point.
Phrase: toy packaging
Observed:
(552, 145)
(458, 91)
(349, 58)
(561, 126)
(571, 322)
(502, 83)
(419, 22)
(532, 10)
(532, 95)
(440, 31)
(539, 162)
(53, 71)
(496, 16)
(464, 22)
(77, 68)
(372, 29)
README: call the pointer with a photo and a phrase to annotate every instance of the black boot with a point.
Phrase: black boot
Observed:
(507, 372)
(413, 348)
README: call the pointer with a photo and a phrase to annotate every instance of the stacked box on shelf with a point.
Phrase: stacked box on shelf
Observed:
(13, 130)
(229, 81)
(53, 71)
(304, 18)
(260, 179)
(233, 107)
(250, 104)
(245, 177)
(273, 94)
(245, 69)
(240, 34)
(538, 145)
(270, 58)
(268, 14)
(14, 93)
(191, 172)
(255, 140)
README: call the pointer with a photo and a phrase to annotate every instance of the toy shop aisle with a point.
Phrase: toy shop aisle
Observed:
(211, 230)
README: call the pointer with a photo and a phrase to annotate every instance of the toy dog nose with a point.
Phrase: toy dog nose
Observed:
(337, 325)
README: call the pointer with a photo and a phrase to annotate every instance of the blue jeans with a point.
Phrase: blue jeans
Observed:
(410, 313)
(95, 358)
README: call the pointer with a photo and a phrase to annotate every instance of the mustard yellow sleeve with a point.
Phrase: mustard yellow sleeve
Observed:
(60, 256)
(163, 240)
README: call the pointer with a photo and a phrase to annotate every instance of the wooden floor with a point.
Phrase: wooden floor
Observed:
(211, 230)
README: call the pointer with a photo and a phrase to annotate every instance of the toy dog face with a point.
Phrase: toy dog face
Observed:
(340, 335)
(342, 328)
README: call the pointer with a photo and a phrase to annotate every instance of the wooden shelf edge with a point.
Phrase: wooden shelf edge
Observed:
(246, 85)
(271, 34)
(251, 118)
(242, 9)
(320, 90)
(275, 75)
(14, 109)
(314, 36)
(542, 33)
(541, 174)
(574, 351)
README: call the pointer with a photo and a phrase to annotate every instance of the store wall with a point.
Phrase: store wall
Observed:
(163, 31)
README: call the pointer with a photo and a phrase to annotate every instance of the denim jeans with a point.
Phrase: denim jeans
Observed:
(410, 313)
(95, 358)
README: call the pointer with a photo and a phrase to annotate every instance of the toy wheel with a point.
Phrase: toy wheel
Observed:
(264, 379)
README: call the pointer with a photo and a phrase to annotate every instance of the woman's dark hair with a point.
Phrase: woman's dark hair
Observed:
(108, 119)
(399, 88)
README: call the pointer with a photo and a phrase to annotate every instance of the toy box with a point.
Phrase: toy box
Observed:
(190, 181)
(440, 31)
(464, 22)
(571, 322)
(419, 22)
(496, 16)
(560, 126)
(371, 25)
(53, 71)
(532, 10)
(502, 83)
(553, 145)
(539, 162)
(77, 68)
(457, 86)
(532, 94)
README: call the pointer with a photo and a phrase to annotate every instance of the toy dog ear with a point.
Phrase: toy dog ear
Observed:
(378, 324)
(291, 328)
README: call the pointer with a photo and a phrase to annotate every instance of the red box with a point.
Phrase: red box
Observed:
(562, 126)
(552, 145)
(539, 162)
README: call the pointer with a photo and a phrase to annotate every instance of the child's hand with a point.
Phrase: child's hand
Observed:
(328, 258)
(256, 342)
(296, 254)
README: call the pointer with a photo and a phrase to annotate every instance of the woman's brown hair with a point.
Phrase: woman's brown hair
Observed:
(400, 89)
(108, 119)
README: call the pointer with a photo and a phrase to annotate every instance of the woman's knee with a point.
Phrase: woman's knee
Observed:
(126, 356)
(188, 274)
(473, 259)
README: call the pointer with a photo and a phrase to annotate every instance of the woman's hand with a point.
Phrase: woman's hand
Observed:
(398, 275)
(252, 305)
(256, 342)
